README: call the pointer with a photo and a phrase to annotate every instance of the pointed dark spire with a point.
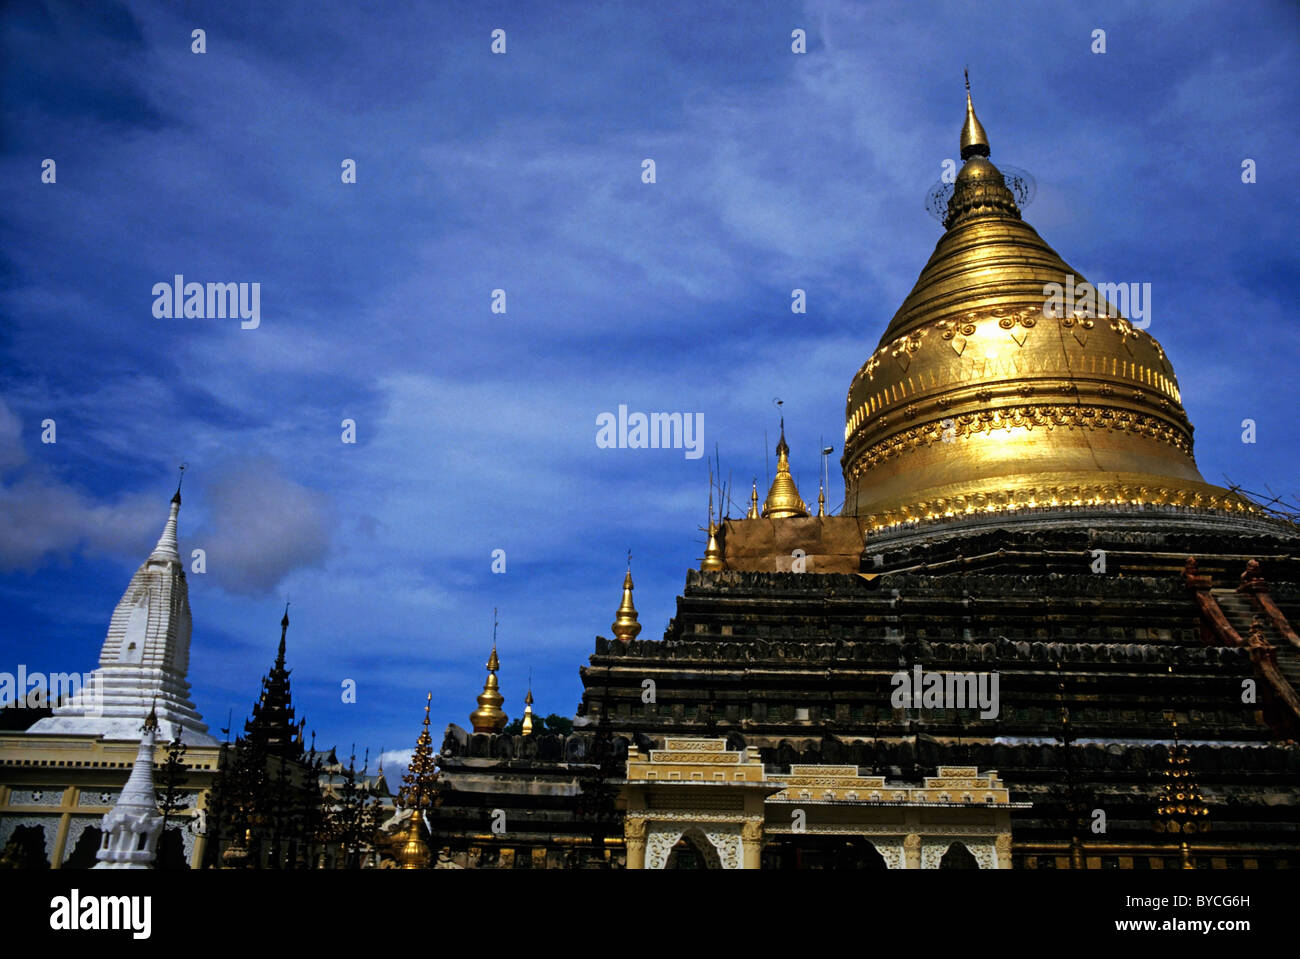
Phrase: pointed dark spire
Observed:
(272, 725)
(284, 628)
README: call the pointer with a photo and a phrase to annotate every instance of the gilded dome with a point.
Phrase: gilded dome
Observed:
(988, 391)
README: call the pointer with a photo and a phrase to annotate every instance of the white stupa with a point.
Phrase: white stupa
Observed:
(132, 826)
(144, 659)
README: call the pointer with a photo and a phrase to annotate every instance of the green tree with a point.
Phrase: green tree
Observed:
(552, 725)
(171, 777)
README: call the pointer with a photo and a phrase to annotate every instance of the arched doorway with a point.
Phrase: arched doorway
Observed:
(685, 855)
(823, 852)
(858, 853)
(171, 851)
(26, 849)
(85, 852)
(958, 857)
(693, 851)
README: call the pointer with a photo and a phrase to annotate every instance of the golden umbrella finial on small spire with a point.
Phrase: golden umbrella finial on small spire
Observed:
(489, 717)
(753, 501)
(625, 625)
(526, 727)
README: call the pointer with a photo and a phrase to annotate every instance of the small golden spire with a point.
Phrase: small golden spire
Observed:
(712, 553)
(783, 499)
(625, 626)
(489, 717)
(417, 793)
(1181, 810)
(753, 501)
(974, 141)
(527, 725)
(821, 500)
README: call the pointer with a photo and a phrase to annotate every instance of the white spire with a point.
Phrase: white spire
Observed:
(168, 549)
(144, 659)
(132, 826)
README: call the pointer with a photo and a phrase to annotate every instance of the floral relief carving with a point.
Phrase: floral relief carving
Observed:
(76, 827)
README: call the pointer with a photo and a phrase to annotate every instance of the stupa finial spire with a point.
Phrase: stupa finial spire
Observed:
(284, 628)
(168, 547)
(974, 141)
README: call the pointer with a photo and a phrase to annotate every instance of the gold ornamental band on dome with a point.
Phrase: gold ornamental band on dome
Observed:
(1065, 494)
(1043, 493)
(958, 334)
(1045, 417)
(986, 393)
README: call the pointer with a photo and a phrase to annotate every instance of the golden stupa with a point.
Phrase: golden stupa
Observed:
(526, 727)
(490, 717)
(625, 625)
(783, 498)
(983, 396)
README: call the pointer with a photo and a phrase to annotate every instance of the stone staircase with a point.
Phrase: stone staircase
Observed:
(1241, 612)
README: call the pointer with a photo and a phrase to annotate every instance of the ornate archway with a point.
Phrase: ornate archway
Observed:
(693, 851)
(717, 843)
(958, 857)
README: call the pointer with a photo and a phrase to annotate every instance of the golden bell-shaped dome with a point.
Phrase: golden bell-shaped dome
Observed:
(625, 626)
(783, 498)
(989, 391)
(489, 717)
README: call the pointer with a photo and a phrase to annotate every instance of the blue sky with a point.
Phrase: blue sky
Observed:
(522, 171)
